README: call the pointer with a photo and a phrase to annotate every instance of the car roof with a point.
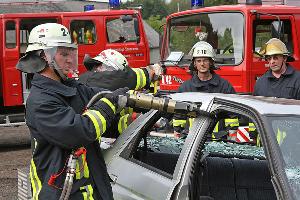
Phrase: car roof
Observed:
(263, 105)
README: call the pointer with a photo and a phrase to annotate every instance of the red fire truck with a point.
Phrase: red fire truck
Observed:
(93, 31)
(237, 33)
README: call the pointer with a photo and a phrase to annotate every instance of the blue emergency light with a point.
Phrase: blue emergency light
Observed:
(89, 7)
(197, 3)
(114, 3)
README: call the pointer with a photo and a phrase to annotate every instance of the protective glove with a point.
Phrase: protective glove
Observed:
(118, 98)
(109, 105)
(155, 71)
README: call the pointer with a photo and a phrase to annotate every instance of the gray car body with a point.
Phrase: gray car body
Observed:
(133, 180)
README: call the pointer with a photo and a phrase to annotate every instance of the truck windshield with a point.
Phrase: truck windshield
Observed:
(224, 31)
(287, 132)
(122, 31)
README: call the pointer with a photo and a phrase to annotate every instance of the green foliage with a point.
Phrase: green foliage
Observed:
(156, 23)
(180, 5)
(150, 7)
(155, 12)
(182, 40)
(219, 2)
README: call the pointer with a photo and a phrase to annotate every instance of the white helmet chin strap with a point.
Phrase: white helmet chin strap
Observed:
(57, 70)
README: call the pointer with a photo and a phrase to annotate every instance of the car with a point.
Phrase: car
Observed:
(146, 162)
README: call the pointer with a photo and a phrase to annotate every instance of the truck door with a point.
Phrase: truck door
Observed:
(125, 34)
(25, 26)
(11, 77)
(263, 30)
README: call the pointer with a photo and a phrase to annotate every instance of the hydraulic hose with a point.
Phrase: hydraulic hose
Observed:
(65, 187)
(97, 97)
(71, 178)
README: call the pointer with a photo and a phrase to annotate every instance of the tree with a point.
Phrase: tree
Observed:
(181, 5)
(150, 7)
(156, 23)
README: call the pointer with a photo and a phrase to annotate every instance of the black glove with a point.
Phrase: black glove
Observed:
(105, 108)
(114, 96)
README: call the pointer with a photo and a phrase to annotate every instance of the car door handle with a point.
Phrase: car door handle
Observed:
(113, 178)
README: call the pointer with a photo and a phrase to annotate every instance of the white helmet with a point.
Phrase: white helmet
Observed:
(202, 49)
(49, 35)
(112, 58)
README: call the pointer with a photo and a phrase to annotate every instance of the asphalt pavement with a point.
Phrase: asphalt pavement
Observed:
(15, 153)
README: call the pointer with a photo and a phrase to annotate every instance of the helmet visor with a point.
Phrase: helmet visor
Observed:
(66, 59)
(105, 67)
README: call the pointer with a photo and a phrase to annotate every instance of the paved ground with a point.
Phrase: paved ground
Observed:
(14, 154)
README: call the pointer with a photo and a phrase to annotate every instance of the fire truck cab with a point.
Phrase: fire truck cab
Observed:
(237, 33)
(93, 31)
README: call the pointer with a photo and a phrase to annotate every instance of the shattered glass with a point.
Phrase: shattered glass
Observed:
(287, 132)
(174, 145)
(293, 174)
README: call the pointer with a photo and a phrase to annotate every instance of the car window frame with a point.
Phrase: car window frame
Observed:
(130, 149)
(201, 137)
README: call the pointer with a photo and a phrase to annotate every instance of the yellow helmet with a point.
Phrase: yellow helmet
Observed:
(275, 46)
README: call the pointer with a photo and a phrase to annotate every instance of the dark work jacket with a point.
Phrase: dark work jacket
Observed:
(215, 85)
(112, 80)
(53, 115)
(286, 86)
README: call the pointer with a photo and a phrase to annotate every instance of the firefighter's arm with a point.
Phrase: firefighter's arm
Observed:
(141, 78)
(144, 76)
(61, 126)
(179, 123)
(126, 120)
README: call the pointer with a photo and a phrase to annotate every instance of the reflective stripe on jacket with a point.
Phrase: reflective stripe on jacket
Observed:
(57, 126)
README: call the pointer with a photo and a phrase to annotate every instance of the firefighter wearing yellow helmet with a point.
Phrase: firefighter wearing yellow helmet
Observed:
(66, 157)
(281, 80)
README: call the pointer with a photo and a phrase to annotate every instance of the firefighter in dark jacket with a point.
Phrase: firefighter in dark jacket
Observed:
(204, 79)
(110, 70)
(66, 158)
(281, 80)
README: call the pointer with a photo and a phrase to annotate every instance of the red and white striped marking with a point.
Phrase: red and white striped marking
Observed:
(243, 134)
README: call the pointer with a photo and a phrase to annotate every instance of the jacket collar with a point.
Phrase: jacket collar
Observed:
(289, 71)
(198, 83)
(46, 83)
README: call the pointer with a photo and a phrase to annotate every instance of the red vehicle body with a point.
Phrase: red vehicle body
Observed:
(237, 33)
(94, 31)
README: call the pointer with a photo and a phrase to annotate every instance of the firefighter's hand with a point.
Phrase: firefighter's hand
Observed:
(154, 71)
(116, 97)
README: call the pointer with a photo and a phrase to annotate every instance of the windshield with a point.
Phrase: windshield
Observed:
(122, 31)
(287, 132)
(224, 31)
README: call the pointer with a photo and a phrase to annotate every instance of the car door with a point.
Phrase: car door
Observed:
(143, 167)
(223, 168)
